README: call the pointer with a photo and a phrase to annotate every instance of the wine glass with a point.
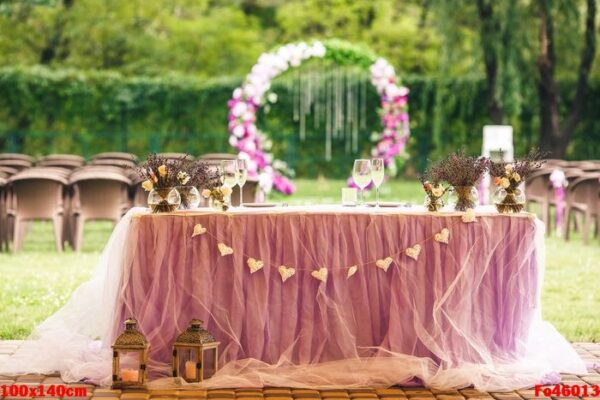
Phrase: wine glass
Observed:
(377, 174)
(361, 174)
(241, 171)
(228, 173)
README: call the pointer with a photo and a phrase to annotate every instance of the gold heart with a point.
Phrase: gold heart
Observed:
(443, 236)
(224, 249)
(198, 230)
(286, 272)
(352, 270)
(320, 274)
(413, 252)
(469, 216)
(385, 263)
(255, 265)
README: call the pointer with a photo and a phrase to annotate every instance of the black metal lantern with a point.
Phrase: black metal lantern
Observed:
(130, 348)
(188, 352)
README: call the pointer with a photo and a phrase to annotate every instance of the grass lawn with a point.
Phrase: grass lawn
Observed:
(37, 281)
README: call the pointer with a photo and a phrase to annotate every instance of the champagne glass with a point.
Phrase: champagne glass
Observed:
(228, 173)
(241, 175)
(377, 174)
(361, 174)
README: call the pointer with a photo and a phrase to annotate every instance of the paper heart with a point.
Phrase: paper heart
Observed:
(198, 230)
(224, 249)
(443, 236)
(385, 263)
(254, 265)
(352, 270)
(469, 216)
(320, 274)
(286, 272)
(413, 252)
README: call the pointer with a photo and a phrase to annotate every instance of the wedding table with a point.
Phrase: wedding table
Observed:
(449, 297)
(319, 297)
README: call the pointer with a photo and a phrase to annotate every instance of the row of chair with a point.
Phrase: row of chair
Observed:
(64, 190)
(581, 196)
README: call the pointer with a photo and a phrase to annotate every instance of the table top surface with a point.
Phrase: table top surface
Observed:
(332, 209)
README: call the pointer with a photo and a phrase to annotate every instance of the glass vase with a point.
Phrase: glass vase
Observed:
(219, 204)
(433, 204)
(462, 198)
(509, 201)
(190, 197)
(164, 200)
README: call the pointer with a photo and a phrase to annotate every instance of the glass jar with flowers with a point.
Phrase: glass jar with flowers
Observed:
(194, 175)
(160, 180)
(433, 194)
(509, 178)
(462, 172)
(219, 197)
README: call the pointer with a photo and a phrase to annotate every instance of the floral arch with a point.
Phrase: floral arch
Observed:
(254, 145)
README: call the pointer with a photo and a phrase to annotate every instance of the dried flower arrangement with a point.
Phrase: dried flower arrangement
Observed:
(219, 196)
(462, 172)
(434, 191)
(509, 176)
(163, 174)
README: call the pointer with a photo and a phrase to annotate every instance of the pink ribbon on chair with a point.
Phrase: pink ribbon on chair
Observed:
(559, 183)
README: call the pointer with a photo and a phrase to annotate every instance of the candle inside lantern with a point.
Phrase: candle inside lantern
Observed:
(130, 375)
(190, 370)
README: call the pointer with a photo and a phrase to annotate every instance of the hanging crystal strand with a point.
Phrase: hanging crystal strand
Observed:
(317, 101)
(363, 110)
(328, 109)
(295, 97)
(354, 107)
(301, 105)
(348, 113)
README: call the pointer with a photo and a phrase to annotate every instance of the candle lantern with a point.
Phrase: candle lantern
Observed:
(130, 356)
(188, 352)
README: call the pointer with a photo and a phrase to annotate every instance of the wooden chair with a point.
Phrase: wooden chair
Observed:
(583, 196)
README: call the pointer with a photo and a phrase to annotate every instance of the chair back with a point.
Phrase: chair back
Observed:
(15, 163)
(37, 198)
(101, 197)
(116, 155)
(538, 185)
(70, 162)
(16, 156)
(176, 156)
(585, 191)
(113, 162)
(217, 156)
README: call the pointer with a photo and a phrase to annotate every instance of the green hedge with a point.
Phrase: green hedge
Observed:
(54, 111)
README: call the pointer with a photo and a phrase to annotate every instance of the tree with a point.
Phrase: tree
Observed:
(555, 137)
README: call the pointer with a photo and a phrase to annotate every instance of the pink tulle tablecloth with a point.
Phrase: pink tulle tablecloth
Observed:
(451, 308)
(378, 297)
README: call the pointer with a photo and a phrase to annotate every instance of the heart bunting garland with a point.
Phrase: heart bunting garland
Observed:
(351, 271)
(442, 236)
(413, 252)
(385, 263)
(254, 265)
(469, 216)
(320, 274)
(286, 272)
(198, 230)
(224, 249)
